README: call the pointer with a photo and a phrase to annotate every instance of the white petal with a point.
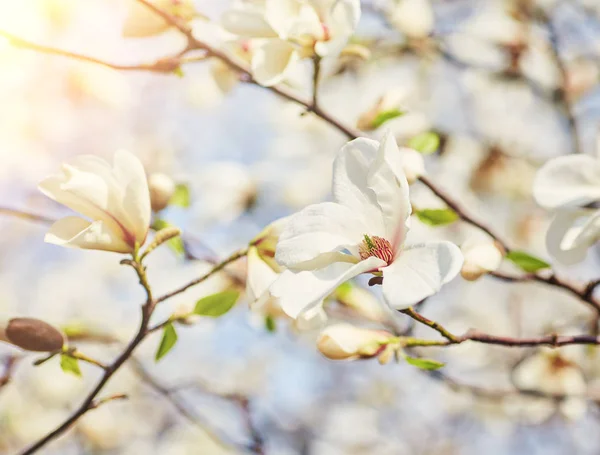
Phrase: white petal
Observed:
(302, 291)
(345, 341)
(529, 373)
(131, 176)
(85, 192)
(281, 15)
(316, 230)
(420, 271)
(75, 232)
(247, 22)
(311, 319)
(571, 233)
(271, 61)
(350, 186)
(260, 276)
(387, 180)
(568, 181)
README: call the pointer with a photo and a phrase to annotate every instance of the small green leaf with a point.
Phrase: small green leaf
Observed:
(178, 72)
(270, 324)
(526, 262)
(167, 342)
(181, 196)
(423, 364)
(384, 116)
(425, 143)
(70, 365)
(437, 217)
(217, 304)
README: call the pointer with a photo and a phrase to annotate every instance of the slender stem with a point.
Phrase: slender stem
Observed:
(429, 323)
(316, 77)
(84, 358)
(26, 215)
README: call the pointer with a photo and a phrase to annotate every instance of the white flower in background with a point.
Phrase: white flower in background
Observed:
(115, 200)
(142, 22)
(481, 257)
(552, 373)
(263, 270)
(414, 18)
(287, 31)
(346, 342)
(567, 184)
(413, 164)
(223, 74)
(162, 188)
(362, 231)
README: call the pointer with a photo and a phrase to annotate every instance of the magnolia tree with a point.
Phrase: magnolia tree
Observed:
(413, 239)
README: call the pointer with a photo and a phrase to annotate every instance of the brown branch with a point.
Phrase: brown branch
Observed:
(147, 310)
(26, 215)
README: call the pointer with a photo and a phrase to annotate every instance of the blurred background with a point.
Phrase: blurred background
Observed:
(506, 85)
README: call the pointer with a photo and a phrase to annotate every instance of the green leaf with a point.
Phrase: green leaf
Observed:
(425, 143)
(167, 342)
(181, 196)
(217, 304)
(526, 262)
(423, 364)
(270, 324)
(178, 72)
(70, 365)
(437, 217)
(384, 116)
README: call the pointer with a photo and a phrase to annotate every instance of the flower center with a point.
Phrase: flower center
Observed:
(378, 247)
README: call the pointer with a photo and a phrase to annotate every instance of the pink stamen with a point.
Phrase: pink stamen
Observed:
(377, 247)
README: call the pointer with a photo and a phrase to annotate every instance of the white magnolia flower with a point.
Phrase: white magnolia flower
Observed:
(551, 373)
(567, 184)
(115, 200)
(290, 30)
(362, 231)
(142, 22)
(345, 342)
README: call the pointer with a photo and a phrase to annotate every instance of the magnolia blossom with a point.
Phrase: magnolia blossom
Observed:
(142, 22)
(552, 373)
(362, 231)
(287, 31)
(414, 18)
(115, 200)
(346, 342)
(481, 257)
(162, 187)
(567, 184)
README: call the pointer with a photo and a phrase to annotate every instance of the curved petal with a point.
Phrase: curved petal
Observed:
(271, 61)
(247, 22)
(84, 192)
(387, 180)
(312, 319)
(131, 177)
(282, 15)
(75, 232)
(259, 277)
(303, 291)
(350, 185)
(420, 271)
(316, 230)
(568, 181)
(571, 233)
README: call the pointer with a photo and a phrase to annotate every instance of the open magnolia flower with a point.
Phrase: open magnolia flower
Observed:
(567, 184)
(362, 231)
(289, 30)
(115, 200)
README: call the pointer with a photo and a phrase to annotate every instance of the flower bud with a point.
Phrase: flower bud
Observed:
(481, 257)
(361, 301)
(346, 342)
(412, 163)
(414, 18)
(33, 335)
(390, 100)
(161, 188)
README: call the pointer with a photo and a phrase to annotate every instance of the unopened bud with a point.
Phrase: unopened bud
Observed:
(414, 18)
(361, 301)
(481, 257)
(356, 51)
(390, 101)
(413, 164)
(162, 188)
(33, 335)
(346, 342)
(161, 237)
